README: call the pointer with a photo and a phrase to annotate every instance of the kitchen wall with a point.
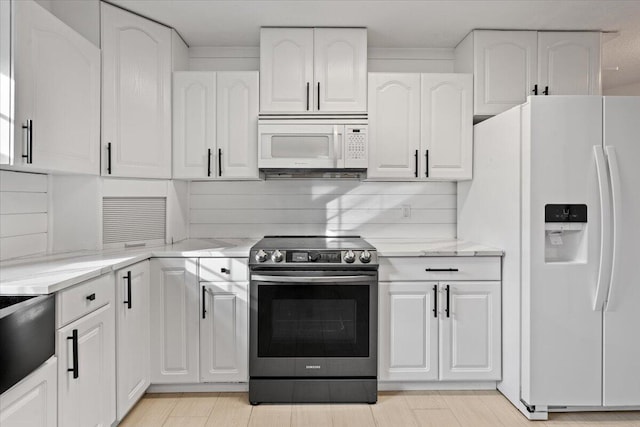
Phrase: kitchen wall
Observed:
(632, 89)
(379, 59)
(23, 214)
(370, 209)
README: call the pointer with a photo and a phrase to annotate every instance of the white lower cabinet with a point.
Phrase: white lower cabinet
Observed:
(224, 332)
(470, 331)
(174, 320)
(132, 335)
(408, 332)
(32, 402)
(86, 367)
(432, 330)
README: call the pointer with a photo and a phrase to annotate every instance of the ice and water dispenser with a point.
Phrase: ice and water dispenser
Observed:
(565, 229)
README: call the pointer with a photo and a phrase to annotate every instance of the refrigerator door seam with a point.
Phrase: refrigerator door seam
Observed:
(614, 170)
(604, 268)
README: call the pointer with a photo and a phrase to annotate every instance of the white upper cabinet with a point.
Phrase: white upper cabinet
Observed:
(237, 113)
(286, 69)
(394, 125)
(569, 63)
(136, 95)
(194, 124)
(504, 67)
(340, 69)
(215, 125)
(57, 96)
(447, 132)
(508, 66)
(313, 70)
(420, 126)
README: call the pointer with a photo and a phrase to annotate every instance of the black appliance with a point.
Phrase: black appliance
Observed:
(313, 320)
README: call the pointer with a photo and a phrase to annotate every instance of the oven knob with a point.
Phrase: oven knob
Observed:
(365, 256)
(314, 256)
(276, 256)
(349, 257)
(261, 256)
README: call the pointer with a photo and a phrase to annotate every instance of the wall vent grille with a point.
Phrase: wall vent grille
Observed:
(133, 219)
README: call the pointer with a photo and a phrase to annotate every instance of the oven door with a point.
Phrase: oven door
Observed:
(313, 324)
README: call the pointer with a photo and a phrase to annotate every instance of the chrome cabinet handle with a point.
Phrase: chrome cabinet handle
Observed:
(29, 148)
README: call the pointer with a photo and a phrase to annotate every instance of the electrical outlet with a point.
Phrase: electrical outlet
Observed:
(406, 211)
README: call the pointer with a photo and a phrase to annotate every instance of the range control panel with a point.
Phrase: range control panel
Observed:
(565, 213)
(302, 257)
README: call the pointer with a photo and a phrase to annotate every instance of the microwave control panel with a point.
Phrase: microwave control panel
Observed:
(356, 147)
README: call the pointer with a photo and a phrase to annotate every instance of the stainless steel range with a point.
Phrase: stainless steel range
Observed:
(313, 320)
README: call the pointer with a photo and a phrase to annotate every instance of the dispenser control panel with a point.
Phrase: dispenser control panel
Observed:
(565, 213)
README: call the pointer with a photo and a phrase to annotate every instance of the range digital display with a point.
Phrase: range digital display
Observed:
(299, 257)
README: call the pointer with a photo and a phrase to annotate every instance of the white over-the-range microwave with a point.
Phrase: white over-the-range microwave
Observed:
(312, 143)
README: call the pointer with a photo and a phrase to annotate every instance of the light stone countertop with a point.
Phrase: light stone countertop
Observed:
(431, 247)
(49, 274)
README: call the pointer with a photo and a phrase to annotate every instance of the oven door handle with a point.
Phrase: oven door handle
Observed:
(311, 279)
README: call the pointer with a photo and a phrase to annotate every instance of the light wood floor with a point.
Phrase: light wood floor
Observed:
(394, 409)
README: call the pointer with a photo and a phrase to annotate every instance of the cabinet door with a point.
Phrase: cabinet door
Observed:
(6, 87)
(286, 69)
(194, 124)
(89, 399)
(505, 69)
(237, 125)
(470, 332)
(447, 126)
(569, 63)
(132, 335)
(408, 328)
(57, 78)
(340, 69)
(136, 95)
(32, 402)
(174, 320)
(394, 125)
(224, 332)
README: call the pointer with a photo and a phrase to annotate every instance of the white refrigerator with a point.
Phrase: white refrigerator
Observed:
(556, 184)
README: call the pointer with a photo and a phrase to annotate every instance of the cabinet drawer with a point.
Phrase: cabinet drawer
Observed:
(223, 270)
(455, 268)
(75, 302)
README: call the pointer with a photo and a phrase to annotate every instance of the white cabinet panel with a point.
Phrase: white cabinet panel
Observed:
(313, 70)
(569, 63)
(447, 132)
(194, 124)
(394, 125)
(132, 335)
(286, 69)
(224, 332)
(89, 399)
(340, 69)
(57, 88)
(470, 331)
(505, 69)
(174, 320)
(215, 125)
(32, 402)
(136, 95)
(237, 123)
(408, 332)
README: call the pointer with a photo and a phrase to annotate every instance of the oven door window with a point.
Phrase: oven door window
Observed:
(313, 321)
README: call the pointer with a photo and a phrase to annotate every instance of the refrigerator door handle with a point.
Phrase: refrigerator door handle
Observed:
(604, 268)
(614, 170)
